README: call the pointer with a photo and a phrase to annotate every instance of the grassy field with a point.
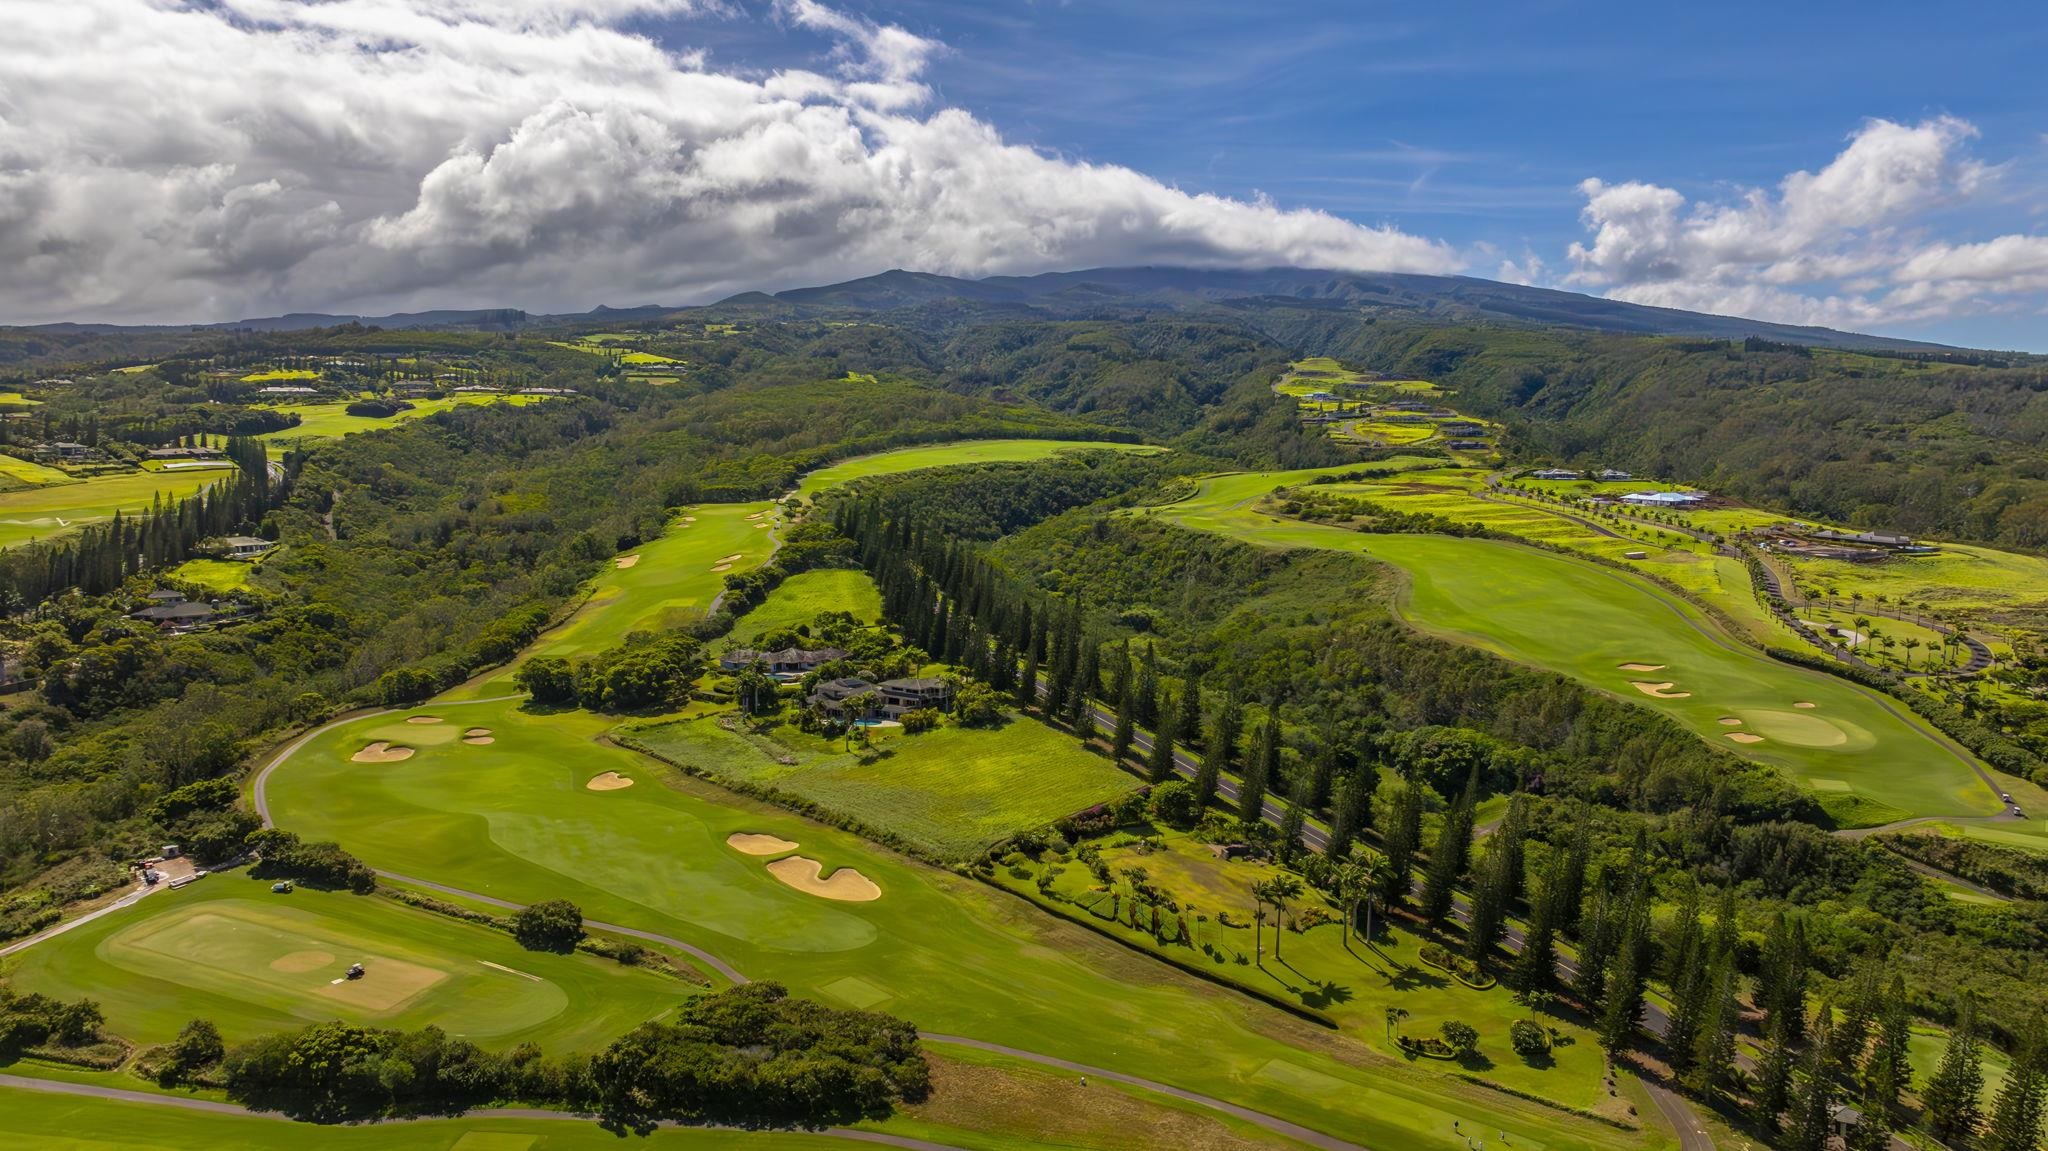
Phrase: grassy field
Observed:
(215, 575)
(280, 375)
(1353, 982)
(1965, 581)
(1861, 754)
(946, 455)
(229, 950)
(950, 792)
(515, 820)
(327, 421)
(28, 472)
(806, 595)
(40, 513)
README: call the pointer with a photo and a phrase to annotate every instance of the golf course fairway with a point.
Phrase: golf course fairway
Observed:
(1862, 754)
(951, 455)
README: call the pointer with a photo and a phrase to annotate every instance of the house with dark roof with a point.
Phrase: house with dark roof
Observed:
(833, 697)
(788, 661)
(179, 615)
(901, 695)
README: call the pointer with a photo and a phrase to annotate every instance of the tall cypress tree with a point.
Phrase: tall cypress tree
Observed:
(1189, 724)
(1628, 974)
(1210, 770)
(1251, 788)
(1159, 764)
(1351, 813)
(1402, 841)
(1448, 856)
(1146, 697)
(1027, 687)
(1536, 963)
(2017, 1111)
(1126, 727)
(1813, 1109)
(1953, 1096)
(1291, 823)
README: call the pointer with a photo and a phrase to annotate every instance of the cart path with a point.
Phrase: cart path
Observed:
(141, 889)
(211, 1107)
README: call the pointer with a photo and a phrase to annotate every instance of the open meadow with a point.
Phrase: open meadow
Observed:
(951, 792)
(254, 962)
(1862, 754)
(326, 421)
(39, 513)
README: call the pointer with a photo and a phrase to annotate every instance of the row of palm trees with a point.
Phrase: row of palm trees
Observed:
(1356, 882)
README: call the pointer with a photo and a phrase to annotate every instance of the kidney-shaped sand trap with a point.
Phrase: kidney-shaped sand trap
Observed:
(733, 558)
(382, 752)
(627, 561)
(1805, 706)
(845, 884)
(1642, 667)
(1730, 721)
(1659, 690)
(756, 843)
(608, 781)
(422, 719)
(1745, 737)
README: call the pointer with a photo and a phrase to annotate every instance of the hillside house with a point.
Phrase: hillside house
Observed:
(1663, 499)
(63, 450)
(1554, 474)
(245, 547)
(834, 696)
(901, 695)
(1613, 475)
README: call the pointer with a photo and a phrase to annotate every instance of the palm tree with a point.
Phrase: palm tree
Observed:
(1912, 645)
(1889, 643)
(1348, 880)
(1259, 918)
(1377, 868)
(1862, 624)
(1279, 890)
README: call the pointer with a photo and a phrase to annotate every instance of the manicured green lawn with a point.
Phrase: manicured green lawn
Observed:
(945, 455)
(254, 962)
(951, 792)
(218, 575)
(41, 513)
(275, 375)
(30, 472)
(326, 421)
(1865, 758)
(515, 820)
(805, 596)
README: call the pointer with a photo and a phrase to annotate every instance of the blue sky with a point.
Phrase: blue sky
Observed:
(1880, 167)
(1475, 123)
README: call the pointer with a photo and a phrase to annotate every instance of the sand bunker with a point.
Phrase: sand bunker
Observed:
(755, 515)
(1730, 721)
(689, 519)
(1659, 690)
(1642, 667)
(423, 719)
(755, 843)
(845, 884)
(473, 732)
(1808, 706)
(1745, 737)
(722, 568)
(733, 558)
(300, 962)
(764, 525)
(479, 740)
(381, 752)
(609, 781)
(627, 561)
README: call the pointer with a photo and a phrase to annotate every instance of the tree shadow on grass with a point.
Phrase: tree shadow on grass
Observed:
(1325, 993)
(1407, 978)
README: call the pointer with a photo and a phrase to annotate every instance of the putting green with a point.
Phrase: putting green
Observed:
(230, 950)
(1587, 621)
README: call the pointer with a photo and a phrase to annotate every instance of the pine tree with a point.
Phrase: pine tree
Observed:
(1952, 1098)
(2017, 1111)
(1773, 1092)
(1027, 687)
(1159, 762)
(1685, 972)
(1597, 938)
(1189, 725)
(1126, 732)
(1873, 1132)
(1888, 1068)
(1351, 813)
(1251, 788)
(1291, 823)
(1714, 1062)
(1489, 901)
(1403, 840)
(1081, 699)
(1628, 976)
(1210, 770)
(1145, 701)
(1813, 1110)
(1448, 856)
(1535, 964)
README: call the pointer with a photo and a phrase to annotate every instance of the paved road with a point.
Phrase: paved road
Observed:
(210, 1107)
(127, 900)
(1677, 1111)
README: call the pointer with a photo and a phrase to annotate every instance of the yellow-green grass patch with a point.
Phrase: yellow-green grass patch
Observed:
(950, 792)
(214, 575)
(328, 421)
(253, 961)
(30, 472)
(803, 597)
(949, 455)
(45, 512)
(277, 375)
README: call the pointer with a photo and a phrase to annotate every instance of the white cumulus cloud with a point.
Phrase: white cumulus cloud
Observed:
(208, 159)
(1844, 246)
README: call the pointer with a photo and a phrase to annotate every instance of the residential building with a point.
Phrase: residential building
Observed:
(901, 695)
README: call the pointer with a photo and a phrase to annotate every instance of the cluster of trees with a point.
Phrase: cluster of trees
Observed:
(1367, 515)
(749, 1055)
(282, 855)
(648, 670)
(32, 1020)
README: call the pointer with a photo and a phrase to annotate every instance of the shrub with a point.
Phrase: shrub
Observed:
(1461, 1038)
(1528, 1037)
(282, 856)
(922, 719)
(1173, 803)
(548, 679)
(550, 925)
